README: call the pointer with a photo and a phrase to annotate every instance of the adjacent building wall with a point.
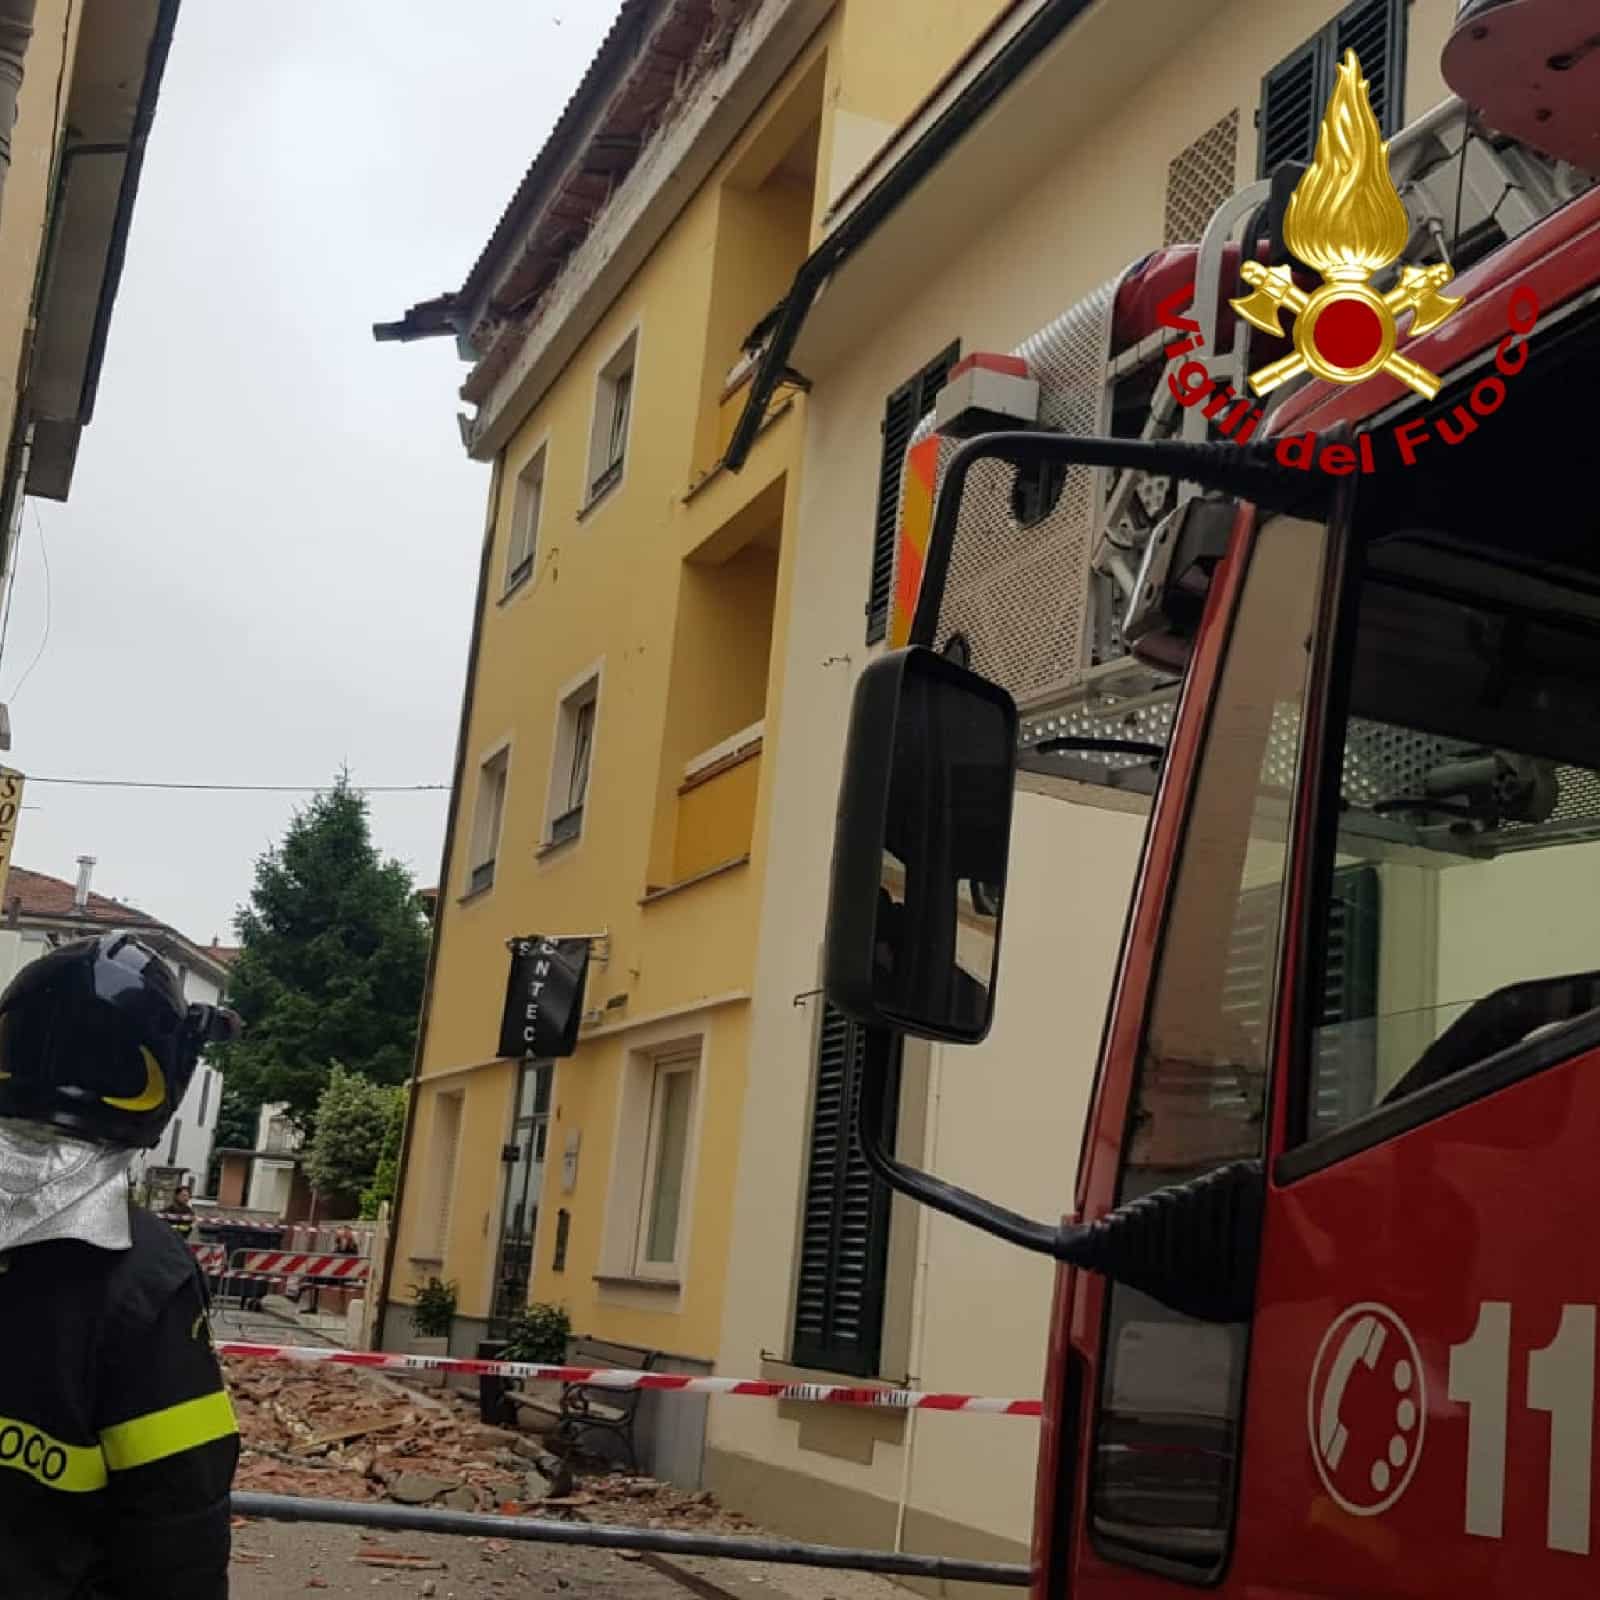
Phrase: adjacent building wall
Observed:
(987, 255)
(23, 216)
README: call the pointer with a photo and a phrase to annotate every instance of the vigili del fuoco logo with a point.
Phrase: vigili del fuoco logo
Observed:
(1346, 222)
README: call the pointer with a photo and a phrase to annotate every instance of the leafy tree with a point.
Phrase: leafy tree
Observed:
(236, 1120)
(353, 1117)
(384, 1179)
(333, 945)
(236, 1130)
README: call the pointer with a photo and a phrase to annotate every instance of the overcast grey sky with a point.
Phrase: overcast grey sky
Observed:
(267, 565)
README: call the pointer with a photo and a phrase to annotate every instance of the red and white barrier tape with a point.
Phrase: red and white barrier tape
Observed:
(619, 1378)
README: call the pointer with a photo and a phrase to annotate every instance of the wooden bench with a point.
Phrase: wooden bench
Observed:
(586, 1409)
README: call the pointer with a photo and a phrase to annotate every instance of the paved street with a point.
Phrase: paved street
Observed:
(272, 1559)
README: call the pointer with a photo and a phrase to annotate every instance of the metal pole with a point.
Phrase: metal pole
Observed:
(366, 1514)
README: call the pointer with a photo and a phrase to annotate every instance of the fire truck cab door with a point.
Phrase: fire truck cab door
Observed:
(1420, 1416)
(1398, 913)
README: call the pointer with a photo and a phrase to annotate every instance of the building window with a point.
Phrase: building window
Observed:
(486, 820)
(666, 1165)
(613, 411)
(844, 1228)
(445, 1147)
(172, 1149)
(527, 505)
(574, 755)
(205, 1093)
(1295, 93)
(905, 408)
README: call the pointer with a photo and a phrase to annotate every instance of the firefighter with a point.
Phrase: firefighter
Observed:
(117, 1437)
(182, 1214)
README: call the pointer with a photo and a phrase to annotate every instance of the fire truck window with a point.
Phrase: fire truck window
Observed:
(1164, 1468)
(1466, 867)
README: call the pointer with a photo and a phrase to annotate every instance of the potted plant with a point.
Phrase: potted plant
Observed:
(537, 1333)
(433, 1314)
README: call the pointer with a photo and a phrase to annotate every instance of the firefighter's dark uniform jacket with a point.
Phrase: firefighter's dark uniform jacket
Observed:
(117, 1438)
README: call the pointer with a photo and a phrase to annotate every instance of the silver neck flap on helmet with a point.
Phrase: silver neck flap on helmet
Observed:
(53, 1186)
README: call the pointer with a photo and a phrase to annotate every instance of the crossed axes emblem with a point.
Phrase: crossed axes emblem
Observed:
(1353, 301)
(1346, 220)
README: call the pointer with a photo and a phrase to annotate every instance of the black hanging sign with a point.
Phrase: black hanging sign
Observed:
(544, 998)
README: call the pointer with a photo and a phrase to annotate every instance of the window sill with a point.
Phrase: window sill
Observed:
(475, 894)
(651, 896)
(602, 487)
(629, 1281)
(516, 586)
(774, 1371)
(554, 847)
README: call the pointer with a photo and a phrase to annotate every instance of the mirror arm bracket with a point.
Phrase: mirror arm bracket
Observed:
(1193, 1246)
(1042, 1238)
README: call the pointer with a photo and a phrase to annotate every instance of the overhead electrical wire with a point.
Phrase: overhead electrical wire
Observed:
(241, 788)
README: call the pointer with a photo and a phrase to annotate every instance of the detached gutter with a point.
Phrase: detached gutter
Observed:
(1025, 47)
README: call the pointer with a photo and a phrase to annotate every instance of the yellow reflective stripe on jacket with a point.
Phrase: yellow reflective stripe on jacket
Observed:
(74, 1468)
(159, 1434)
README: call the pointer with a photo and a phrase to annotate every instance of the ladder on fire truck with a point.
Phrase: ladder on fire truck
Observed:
(1043, 574)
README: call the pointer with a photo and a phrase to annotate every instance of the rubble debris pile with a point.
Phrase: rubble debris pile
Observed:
(336, 1433)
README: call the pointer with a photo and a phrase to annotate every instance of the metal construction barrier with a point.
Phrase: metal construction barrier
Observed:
(240, 1279)
(286, 1266)
(370, 1514)
(212, 1259)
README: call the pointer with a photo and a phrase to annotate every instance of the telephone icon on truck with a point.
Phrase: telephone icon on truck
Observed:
(1364, 1409)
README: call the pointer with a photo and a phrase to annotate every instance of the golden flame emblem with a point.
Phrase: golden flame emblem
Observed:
(1346, 221)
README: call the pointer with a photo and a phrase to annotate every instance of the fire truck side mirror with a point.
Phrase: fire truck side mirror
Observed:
(920, 848)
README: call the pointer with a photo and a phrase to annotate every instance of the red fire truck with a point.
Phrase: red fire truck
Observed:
(1322, 1320)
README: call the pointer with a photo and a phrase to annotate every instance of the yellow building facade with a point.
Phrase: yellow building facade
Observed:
(625, 688)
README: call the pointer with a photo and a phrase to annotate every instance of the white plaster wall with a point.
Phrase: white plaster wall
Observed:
(1007, 1118)
(17, 948)
(1532, 915)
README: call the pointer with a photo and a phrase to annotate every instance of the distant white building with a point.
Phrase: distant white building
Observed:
(41, 912)
(272, 1172)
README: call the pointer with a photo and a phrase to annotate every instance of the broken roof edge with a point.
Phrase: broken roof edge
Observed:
(683, 153)
(428, 319)
(456, 310)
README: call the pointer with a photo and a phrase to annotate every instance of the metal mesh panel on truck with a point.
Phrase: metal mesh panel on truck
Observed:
(1019, 595)
(1200, 179)
(1040, 604)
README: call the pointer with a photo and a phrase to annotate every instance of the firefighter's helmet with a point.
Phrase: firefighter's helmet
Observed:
(95, 1039)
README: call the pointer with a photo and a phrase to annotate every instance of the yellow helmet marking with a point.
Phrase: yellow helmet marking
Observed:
(153, 1093)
